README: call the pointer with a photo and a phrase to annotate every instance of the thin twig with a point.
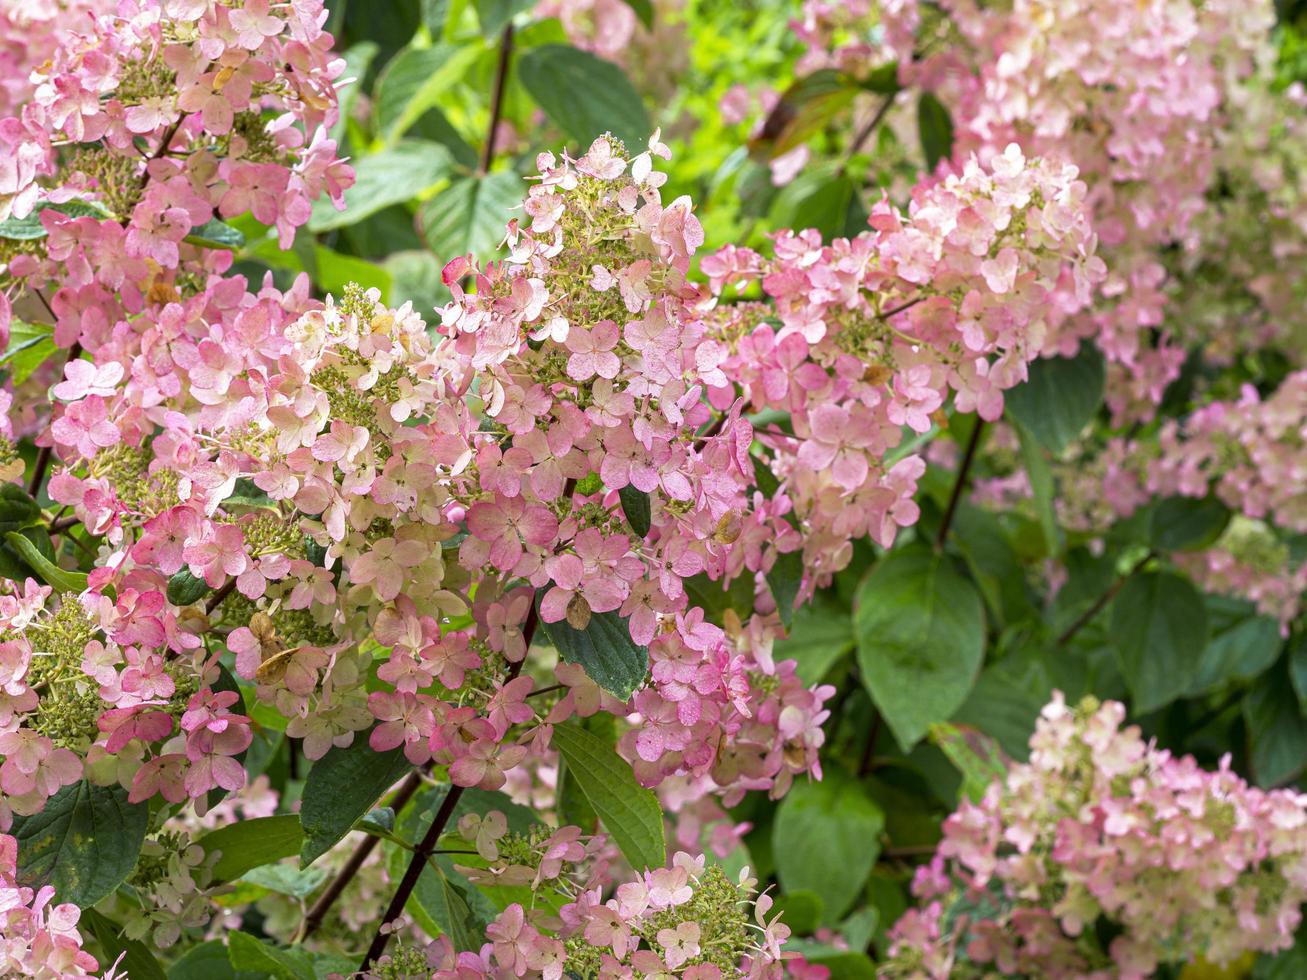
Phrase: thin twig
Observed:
(497, 98)
(215, 600)
(356, 860)
(896, 310)
(959, 483)
(427, 846)
(865, 132)
(1087, 616)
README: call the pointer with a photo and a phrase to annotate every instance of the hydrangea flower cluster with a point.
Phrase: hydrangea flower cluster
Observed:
(1170, 113)
(143, 129)
(1247, 452)
(866, 338)
(1138, 96)
(689, 920)
(1103, 828)
(38, 939)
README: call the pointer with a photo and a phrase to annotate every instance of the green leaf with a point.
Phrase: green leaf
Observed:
(63, 581)
(714, 598)
(1241, 652)
(802, 911)
(605, 649)
(415, 277)
(85, 842)
(920, 630)
(470, 215)
(820, 635)
(1187, 523)
(585, 96)
(17, 508)
(390, 177)
(935, 127)
(184, 588)
(29, 228)
(805, 108)
(826, 839)
(207, 961)
(635, 506)
(643, 11)
(630, 813)
(1041, 486)
(973, 754)
(458, 923)
(1060, 397)
(252, 843)
(784, 579)
(1298, 669)
(343, 786)
(335, 271)
(1159, 627)
(29, 346)
(249, 953)
(494, 15)
(414, 81)
(1277, 730)
(817, 198)
(286, 879)
(215, 234)
(137, 961)
(358, 59)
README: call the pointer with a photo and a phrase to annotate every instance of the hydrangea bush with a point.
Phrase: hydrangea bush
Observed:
(452, 525)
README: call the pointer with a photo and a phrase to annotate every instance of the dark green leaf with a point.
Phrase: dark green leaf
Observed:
(935, 127)
(630, 813)
(818, 198)
(802, 911)
(494, 15)
(920, 630)
(1187, 523)
(1060, 398)
(17, 508)
(635, 506)
(822, 633)
(252, 843)
(458, 924)
(1239, 653)
(585, 96)
(643, 10)
(215, 234)
(827, 838)
(1159, 628)
(1277, 730)
(606, 651)
(470, 215)
(1298, 669)
(390, 177)
(715, 600)
(413, 82)
(52, 574)
(137, 961)
(85, 842)
(258, 957)
(207, 961)
(343, 786)
(784, 580)
(184, 588)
